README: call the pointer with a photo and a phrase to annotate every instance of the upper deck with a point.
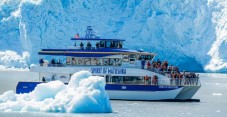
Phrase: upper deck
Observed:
(99, 52)
(95, 47)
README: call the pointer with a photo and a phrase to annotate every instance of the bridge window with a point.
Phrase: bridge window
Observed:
(132, 58)
(146, 57)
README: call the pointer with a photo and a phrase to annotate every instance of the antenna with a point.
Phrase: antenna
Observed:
(89, 33)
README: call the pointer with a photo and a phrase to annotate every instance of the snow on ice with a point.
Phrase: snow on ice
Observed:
(84, 94)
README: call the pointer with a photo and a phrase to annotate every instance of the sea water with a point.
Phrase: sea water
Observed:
(212, 95)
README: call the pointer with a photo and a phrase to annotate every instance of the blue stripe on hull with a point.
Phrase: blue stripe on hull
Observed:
(26, 87)
(140, 87)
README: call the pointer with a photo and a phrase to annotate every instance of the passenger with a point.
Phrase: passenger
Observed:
(53, 78)
(143, 63)
(43, 79)
(184, 78)
(97, 45)
(102, 44)
(77, 36)
(155, 80)
(73, 61)
(159, 62)
(197, 79)
(112, 62)
(97, 62)
(169, 70)
(111, 44)
(146, 79)
(41, 62)
(89, 46)
(120, 44)
(59, 61)
(75, 44)
(148, 65)
(177, 78)
(52, 61)
(81, 45)
(180, 79)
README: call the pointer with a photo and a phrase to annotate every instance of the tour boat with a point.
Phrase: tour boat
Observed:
(129, 74)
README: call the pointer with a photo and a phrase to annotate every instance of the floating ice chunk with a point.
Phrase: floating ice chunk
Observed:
(77, 77)
(47, 90)
(7, 96)
(84, 94)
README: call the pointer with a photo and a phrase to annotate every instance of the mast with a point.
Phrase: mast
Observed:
(90, 33)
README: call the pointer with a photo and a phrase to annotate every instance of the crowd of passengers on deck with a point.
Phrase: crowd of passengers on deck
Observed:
(176, 77)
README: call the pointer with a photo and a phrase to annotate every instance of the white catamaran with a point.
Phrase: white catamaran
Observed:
(129, 74)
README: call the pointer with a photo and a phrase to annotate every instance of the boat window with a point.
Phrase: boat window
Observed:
(74, 61)
(146, 57)
(112, 62)
(87, 61)
(118, 61)
(125, 80)
(125, 58)
(132, 58)
(115, 44)
(109, 44)
(102, 43)
(68, 61)
(95, 61)
(119, 44)
(106, 61)
(80, 61)
(108, 79)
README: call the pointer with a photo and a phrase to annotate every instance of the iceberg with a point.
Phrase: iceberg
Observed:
(84, 94)
(189, 34)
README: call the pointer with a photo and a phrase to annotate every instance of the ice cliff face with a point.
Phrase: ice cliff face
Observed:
(189, 33)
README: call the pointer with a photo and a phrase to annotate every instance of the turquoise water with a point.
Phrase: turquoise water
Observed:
(213, 96)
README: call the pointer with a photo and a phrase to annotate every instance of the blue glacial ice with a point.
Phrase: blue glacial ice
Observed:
(190, 34)
(84, 94)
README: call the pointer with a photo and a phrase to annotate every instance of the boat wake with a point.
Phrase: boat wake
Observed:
(84, 94)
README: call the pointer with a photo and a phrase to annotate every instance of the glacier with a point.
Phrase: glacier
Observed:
(84, 94)
(190, 34)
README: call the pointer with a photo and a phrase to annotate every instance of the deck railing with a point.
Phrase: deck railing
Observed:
(166, 81)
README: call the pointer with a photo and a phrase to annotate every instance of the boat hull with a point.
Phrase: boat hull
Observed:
(133, 92)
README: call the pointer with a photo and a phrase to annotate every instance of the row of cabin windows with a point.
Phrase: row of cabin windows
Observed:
(94, 61)
(107, 61)
(125, 79)
(111, 44)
